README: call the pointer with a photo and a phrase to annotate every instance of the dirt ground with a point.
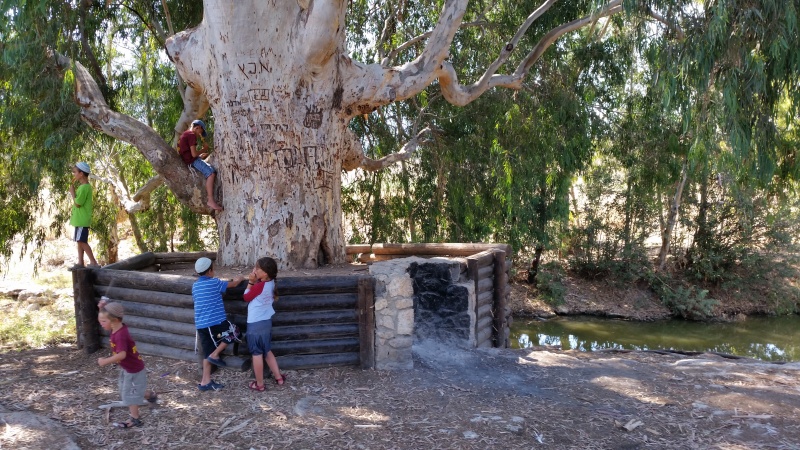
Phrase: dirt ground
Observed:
(453, 398)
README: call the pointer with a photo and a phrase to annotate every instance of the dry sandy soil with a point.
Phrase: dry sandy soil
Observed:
(453, 398)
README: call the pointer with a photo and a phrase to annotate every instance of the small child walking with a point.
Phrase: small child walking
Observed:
(132, 376)
(210, 319)
(261, 292)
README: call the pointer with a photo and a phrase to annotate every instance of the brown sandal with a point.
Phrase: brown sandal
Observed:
(255, 387)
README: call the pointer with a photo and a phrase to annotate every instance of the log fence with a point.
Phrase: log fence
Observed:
(318, 322)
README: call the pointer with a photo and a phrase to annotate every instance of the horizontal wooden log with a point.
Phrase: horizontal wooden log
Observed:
(159, 350)
(339, 284)
(453, 249)
(294, 362)
(483, 259)
(484, 311)
(184, 315)
(168, 326)
(316, 331)
(152, 269)
(182, 284)
(133, 263)
(166, 267)
(485, 298)
(316, 302)
(140, 296)
(173, 257)
(486, 272)
(314, 317)
(311, 346)
(485, 285)
(354, 249)
(485, 323)
(297, 303)
(159, 337)
(483, 338)
(178, 284)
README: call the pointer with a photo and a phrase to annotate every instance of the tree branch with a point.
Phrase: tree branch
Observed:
(670, 25)
(461, 95)
(404, 154)
(388, 58)
(164, 159)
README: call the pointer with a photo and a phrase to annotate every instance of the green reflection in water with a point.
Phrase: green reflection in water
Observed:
(766, 338)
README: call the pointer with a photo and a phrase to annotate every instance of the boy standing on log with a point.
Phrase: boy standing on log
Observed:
(210, 319)
(81, 217)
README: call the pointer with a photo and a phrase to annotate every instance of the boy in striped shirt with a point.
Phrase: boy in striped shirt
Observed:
(210, 319)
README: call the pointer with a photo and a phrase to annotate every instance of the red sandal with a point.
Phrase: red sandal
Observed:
(281, 380)
(255, 387)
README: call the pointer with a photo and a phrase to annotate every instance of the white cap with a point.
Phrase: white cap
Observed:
(202, 264)
(83, 167)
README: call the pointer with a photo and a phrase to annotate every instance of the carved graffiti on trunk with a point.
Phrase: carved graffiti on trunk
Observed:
(313, 117)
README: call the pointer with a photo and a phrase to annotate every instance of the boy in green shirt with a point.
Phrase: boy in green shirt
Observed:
(81, 217)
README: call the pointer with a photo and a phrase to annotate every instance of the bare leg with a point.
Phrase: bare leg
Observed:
(80, 253)
(83, 247)
(210, 192)
(258, 368)
(273, 367)
(207, 365)
(134, 409)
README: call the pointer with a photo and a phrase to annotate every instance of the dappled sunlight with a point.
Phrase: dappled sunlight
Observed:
(631, 388)
(365, 415)
(550, 359)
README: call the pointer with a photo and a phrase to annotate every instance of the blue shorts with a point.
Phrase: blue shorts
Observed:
(259, 337)
(203, 167)
(81, 234)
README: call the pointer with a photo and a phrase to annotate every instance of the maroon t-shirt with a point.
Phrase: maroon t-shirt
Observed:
(185, 143)
(121, 342)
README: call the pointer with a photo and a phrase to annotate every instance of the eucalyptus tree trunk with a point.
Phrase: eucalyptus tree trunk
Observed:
(672, 217)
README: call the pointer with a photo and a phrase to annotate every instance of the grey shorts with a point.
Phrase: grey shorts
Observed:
(132, 386)
(259, 337)
(202, 167)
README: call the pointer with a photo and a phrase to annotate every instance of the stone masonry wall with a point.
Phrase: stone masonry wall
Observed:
(394, 305)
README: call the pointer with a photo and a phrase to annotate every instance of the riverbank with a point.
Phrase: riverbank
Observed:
(775, 293)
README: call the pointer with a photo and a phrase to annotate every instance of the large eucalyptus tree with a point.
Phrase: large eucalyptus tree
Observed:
(278, 78)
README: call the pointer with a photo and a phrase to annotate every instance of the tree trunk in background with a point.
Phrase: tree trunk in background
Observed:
(672, 217)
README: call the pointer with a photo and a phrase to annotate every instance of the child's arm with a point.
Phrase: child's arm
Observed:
(236, 281)
(113, 359)
(253, 291)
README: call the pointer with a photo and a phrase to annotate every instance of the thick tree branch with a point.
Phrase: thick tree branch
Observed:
(461, 95)
(87, 49)
(163, 158)
(669, 24)
(366, 87)
(404, 154)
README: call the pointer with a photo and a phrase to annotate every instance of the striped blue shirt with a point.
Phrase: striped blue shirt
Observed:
(207, 297)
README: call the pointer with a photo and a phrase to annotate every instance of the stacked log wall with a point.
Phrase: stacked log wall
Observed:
(318, 322)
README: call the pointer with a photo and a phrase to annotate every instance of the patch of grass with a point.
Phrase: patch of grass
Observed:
(22, 328)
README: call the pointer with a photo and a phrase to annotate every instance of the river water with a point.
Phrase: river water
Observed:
(765, 338)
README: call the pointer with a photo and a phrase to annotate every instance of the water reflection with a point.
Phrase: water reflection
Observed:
(766, 338)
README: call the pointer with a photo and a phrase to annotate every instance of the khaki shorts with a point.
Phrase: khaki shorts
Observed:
(132, 386)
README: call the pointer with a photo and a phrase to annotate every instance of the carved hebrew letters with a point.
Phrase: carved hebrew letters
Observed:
(313, 117)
